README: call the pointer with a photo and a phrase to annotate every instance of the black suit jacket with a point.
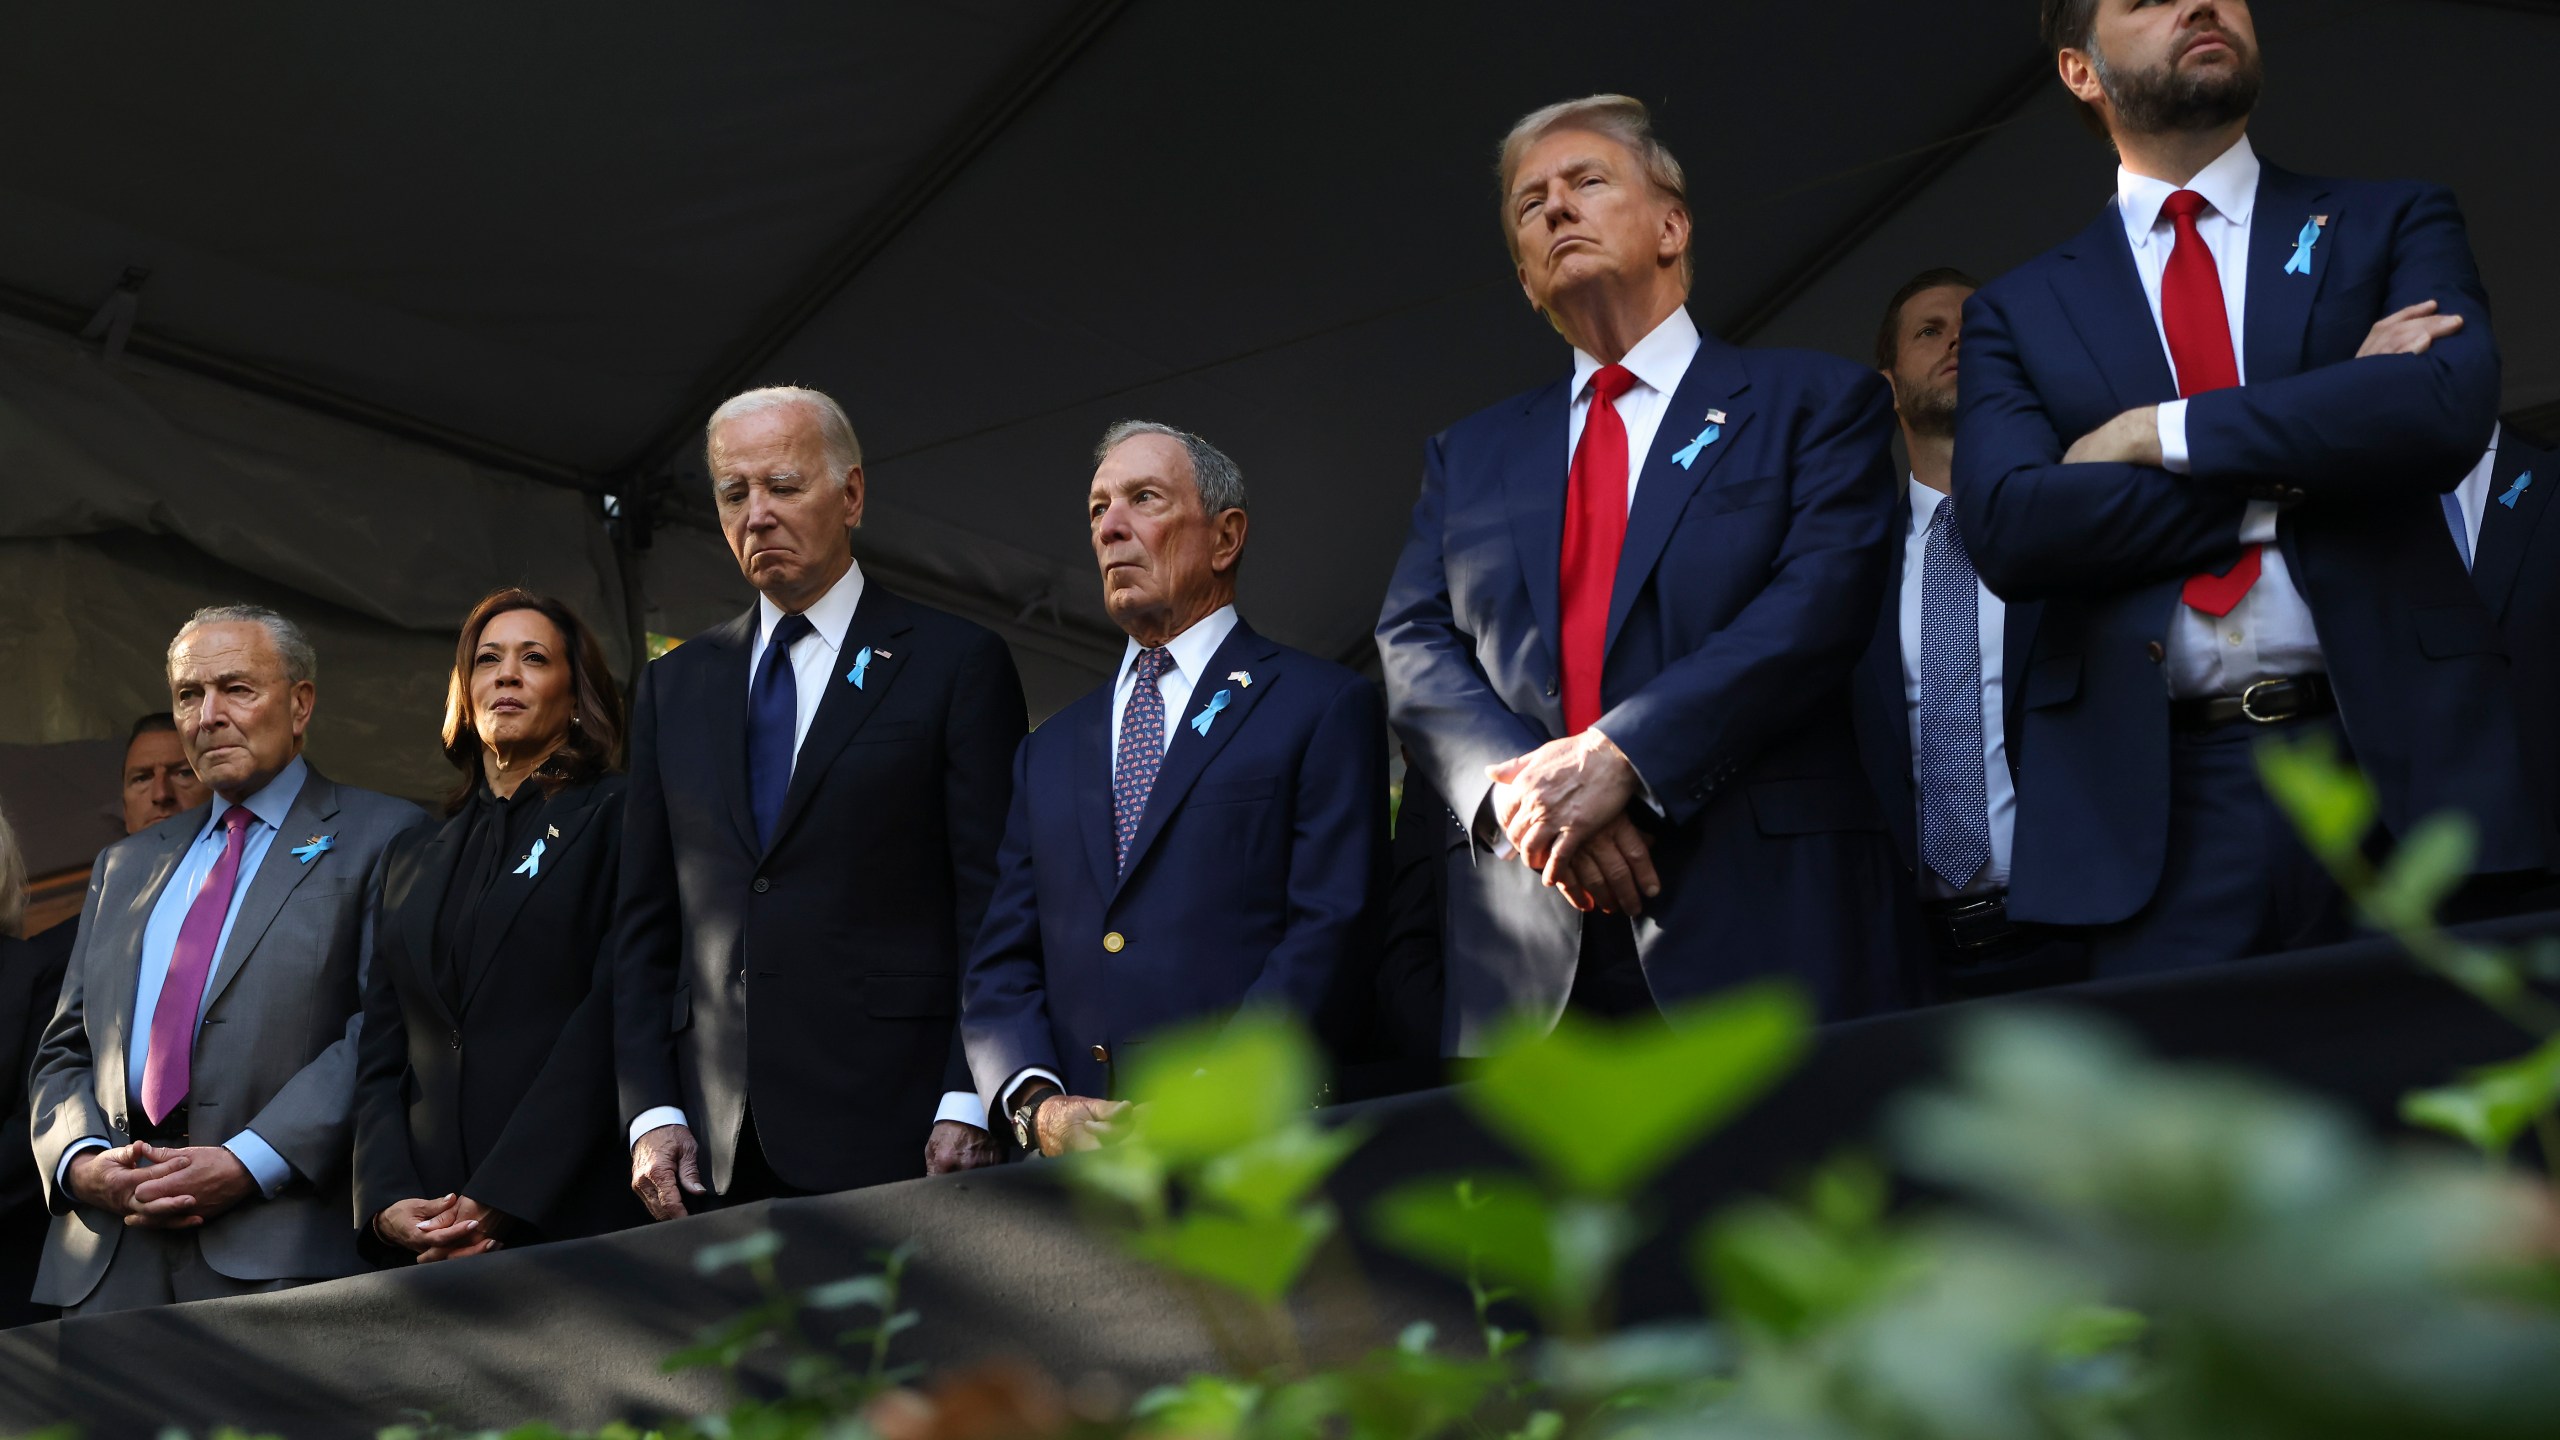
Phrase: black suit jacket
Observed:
(838, 949)
(30, 986)
(2516, 567)
(507, 1098)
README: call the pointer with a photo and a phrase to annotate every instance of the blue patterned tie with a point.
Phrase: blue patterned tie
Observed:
(1955, 808)
(773, 715)
(1133, 772)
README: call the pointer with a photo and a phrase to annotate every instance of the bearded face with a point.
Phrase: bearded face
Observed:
(2208, 76)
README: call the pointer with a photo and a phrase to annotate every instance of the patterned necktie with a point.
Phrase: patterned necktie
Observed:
(167, 1067)
(1133, 771)
(1595, 530)
(773, 720)
(2198, 327)
(1955, 807)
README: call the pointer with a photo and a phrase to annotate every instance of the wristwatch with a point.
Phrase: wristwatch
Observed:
(1026, 1114)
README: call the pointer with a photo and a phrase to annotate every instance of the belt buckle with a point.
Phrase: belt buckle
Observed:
(2249, 702)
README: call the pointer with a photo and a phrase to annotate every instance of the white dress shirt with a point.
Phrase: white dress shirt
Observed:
(1999, 790)
(813, 667)
(2473, 495)
(1659, 361)
(2270, 632)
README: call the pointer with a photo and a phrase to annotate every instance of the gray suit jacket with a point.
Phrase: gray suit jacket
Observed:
(276, 1053)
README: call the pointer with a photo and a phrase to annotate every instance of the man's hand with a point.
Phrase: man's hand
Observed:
(665, 1168)
(464, 1227)
(1613, 871)
(106, 1180)
(1076, 1122)
(207, 1181)
(2132, 438)
(1561, 795)
(958, 1145)
(403, 1223)
(2409, 331)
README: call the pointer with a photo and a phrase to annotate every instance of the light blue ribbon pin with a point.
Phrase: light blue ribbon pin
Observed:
(1687, 455)
(532, 861)
(1217, 702)
(861, 663)
(320, 845)
(2515, 490)
(2300, 264)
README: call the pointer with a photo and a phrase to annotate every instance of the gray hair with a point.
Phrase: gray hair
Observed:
(1622, 118)
(1220, 483)
(835, 433)
(300, 661)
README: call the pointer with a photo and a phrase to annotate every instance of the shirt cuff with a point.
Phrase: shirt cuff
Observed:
(2258, 523)
(651, 1119)
(62, 1168)
(261, 1160)
(1029, 1073)
(2173, 438)
(963, 1107)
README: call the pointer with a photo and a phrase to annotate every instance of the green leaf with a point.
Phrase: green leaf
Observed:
(2331, 803)
(1205, 1090)
(2424, 869)
(1559, 1256)
(2089, 1331)
(871, 1290)
(2493, 1105)
(1271, 1175)
(1602, 1108)
(1258, 1256)
(1204, 1407)
(745, 1250)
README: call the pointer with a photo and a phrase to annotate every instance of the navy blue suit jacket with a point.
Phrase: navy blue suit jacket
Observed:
(2516, 568)
(1745, 592)
(2360, 450)
(1257, 875)
(1883, 717)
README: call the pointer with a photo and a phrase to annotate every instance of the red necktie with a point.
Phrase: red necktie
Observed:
(2199, 330)
(1595, 530)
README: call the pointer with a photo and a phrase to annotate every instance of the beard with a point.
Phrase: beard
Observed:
(1928, 409)
(2165, 100)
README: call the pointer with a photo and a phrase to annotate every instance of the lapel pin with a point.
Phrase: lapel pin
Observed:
(1687, 455)
(552, 830)
(2515, 491)
(1209, 712)
(2300, 264)
(533, 859)
(1241, 677)
(319, 846)
(861, 663)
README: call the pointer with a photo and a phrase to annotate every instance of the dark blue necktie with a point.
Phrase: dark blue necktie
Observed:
(773, 713)
(1955, 806)
(1133, 771)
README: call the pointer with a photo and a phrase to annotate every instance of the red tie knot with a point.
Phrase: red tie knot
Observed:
(1610, 382)
(2183, 208)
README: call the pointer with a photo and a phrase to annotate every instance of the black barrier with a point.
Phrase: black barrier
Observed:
(574, 1333)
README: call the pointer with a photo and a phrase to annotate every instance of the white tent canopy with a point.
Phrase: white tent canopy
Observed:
(422, 286)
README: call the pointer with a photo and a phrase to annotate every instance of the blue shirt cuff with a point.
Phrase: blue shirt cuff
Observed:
(263, 1163)
(62, 1168)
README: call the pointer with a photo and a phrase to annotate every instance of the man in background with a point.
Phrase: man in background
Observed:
(158, 782)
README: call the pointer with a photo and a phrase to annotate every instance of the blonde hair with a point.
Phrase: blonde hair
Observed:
(13, 883)
(1622, 118)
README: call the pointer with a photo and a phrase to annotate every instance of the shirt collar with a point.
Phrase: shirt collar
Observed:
(1191, 649)
(1924, 504)
(273, 801)
(1657, 361)
(829, 615)
(2229, 185)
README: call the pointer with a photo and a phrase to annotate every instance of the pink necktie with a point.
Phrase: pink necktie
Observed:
(166, 1065)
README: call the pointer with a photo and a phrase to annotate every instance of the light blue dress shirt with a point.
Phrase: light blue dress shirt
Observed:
(160, 946)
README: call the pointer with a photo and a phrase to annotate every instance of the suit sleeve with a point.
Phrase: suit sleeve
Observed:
(1438, 695)
(62, 1093)
(647, 938)
(1004, 1007)
(984, 731)
(385, 1173)
(1708, 713)
(34, 979)
(2036, 527)
(310, 1121)
(554, 1130)
(1326, 962)
(2387, 423)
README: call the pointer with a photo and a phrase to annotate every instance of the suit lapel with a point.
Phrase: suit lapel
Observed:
(422, 902)
(2506, 532)
(2017, 638)
(2279, 305)
(1715, 381)
(879, 622)
(121, 976)
(279, 872)
(729, 679)
(1533, 485)
(1093, 766)
(563, 820)
(2102, 296)
(1879, 681)
(1192, 751)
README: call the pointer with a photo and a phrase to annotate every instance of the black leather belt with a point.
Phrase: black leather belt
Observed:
(1975, 928)
(2269, 702)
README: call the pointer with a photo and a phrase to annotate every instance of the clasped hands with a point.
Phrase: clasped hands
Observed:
(446, 1228)
(1563, 806)
(160, 1187)
(2133, 438)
